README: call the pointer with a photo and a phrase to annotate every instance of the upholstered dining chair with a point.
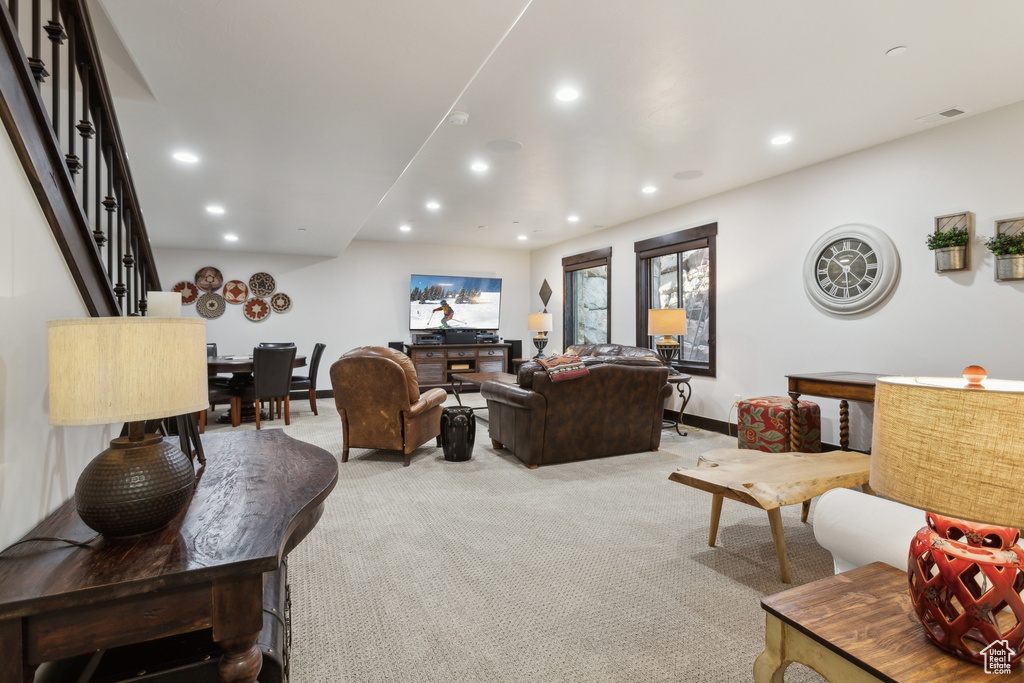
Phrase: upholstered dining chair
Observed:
(220, 393)
(276, 345)
(378, 398)
(308, 382)
(271, 379)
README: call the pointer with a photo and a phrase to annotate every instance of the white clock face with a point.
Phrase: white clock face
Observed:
(850, 269)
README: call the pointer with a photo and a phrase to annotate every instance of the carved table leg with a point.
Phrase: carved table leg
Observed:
(237, 622)
(794, 422)
(844, 425)
(770, 667)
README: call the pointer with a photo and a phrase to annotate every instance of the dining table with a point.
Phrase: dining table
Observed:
(241, 371)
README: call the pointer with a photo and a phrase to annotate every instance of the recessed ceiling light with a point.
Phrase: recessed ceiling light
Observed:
(404, 228)
(231, 238)
(649, 189)
(573, 218)
(504, 146)
(782, 139)
(687, 175)
(186, 157)
(302, 230)
(479, 166)
(212, 208)
(433, 206)
(898, 50)
(567, 94)
(522, 237)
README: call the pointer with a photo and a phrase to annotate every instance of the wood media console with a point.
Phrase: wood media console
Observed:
(436, 363)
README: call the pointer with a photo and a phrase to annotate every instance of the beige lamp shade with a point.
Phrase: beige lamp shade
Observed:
(126, 369)
(539, 322)
(163, 304)
(952, 450)
(666, 321)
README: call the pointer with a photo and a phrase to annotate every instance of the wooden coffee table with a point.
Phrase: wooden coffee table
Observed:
(855, 627)
(771, 480)
(478, 378)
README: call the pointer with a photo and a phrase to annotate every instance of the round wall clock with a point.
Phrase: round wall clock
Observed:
(850, 269)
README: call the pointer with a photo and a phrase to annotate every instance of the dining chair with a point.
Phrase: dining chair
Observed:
(271, 379)
(220, 393)
(276, 345)
(308, 382)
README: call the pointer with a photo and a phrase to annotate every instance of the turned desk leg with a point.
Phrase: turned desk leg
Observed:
(237, 622)
(794, 422)
(844, 425)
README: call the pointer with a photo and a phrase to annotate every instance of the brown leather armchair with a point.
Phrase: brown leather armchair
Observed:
(379, 401)
(616, 408)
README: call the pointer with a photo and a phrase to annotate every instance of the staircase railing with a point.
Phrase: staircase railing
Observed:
(59, 113)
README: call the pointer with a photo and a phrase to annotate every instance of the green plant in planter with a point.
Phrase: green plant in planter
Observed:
(957, 237)
(1004, 244)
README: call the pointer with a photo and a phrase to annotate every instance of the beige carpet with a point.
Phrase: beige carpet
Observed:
(487, 571)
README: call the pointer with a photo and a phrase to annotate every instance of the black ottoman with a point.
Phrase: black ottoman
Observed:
(458, 433)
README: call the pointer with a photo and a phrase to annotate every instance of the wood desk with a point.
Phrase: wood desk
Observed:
(854, 627)
(846, 386)
(257, 498)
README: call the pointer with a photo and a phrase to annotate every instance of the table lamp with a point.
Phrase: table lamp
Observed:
(955, 448)
(541, 324)
(129, 369)
(668, 322)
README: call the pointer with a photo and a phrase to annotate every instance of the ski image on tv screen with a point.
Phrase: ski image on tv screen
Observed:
(441, 302)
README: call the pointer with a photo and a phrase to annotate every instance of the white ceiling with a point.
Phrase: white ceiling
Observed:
(320, 121)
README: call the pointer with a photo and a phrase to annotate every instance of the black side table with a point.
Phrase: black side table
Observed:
(681, 383)
(458, 433)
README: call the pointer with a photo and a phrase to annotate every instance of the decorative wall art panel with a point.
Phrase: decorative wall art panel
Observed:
(256, 309)
(209, 279)
(211, 305)
(281, 302)
(235, 292)
(188, 290)
(262, 284)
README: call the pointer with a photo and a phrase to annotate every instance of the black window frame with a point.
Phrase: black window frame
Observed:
(570, 264)
(676, 242)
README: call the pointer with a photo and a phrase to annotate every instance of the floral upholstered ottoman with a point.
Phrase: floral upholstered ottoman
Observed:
(763, 424)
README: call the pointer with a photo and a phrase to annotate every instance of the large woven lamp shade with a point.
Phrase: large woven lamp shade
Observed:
(129, 369)
(956, 450)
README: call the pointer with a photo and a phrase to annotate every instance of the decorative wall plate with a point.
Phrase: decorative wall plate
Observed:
(209, 279)
(262, 284)
(188, 290)
(211, 305)
(235, 292)
(256, 309)
(280, 302)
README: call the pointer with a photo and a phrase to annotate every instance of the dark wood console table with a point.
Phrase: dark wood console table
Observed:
(846, 386)
(437, 363)
(258, 496)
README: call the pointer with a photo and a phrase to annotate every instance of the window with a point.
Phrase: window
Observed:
(588, 286)
(678, 271)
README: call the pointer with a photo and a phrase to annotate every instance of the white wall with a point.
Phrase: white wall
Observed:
(360, 298)
(933, 324)
(39, 464)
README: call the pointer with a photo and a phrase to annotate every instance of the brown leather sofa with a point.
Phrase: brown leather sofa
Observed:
(616, 408)
(378, 398)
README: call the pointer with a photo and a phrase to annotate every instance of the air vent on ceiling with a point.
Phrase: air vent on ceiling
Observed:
(950, 113)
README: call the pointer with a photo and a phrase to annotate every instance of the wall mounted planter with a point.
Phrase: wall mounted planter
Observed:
(957, 257)
(1010, 267)
(950, 258)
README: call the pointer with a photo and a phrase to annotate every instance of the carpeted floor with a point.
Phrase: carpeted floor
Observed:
(487, 571)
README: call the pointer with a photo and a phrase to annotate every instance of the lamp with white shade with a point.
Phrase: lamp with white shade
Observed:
(129, 369)
(668, 322)
(163, 304)
(541, 324)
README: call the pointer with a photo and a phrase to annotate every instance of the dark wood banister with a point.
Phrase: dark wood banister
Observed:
(25, 117)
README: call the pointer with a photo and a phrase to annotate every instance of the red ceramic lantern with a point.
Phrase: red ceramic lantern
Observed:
(965, 584)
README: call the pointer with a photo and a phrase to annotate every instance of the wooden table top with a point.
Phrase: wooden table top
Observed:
(853, 386)
(259, 494)
(481, 377)
(771, 480)
(865, 616)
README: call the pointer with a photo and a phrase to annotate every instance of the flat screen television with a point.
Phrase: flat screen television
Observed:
(439, 302)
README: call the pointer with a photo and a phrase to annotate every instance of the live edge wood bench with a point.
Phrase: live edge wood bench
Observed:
(771, 480)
